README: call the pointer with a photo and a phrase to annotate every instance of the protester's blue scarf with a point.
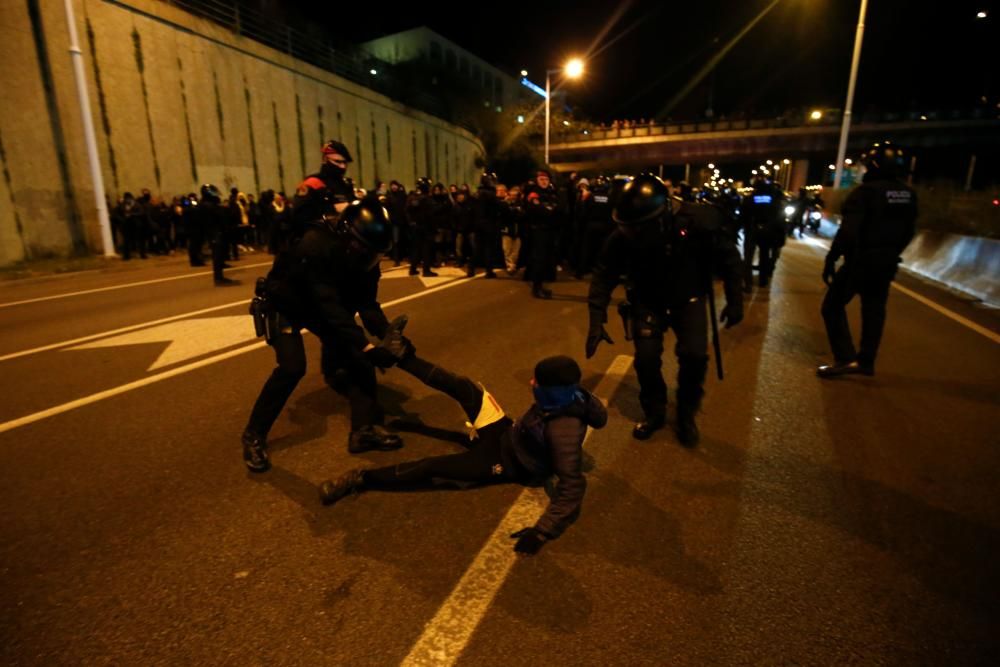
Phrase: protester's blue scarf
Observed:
(555, 398)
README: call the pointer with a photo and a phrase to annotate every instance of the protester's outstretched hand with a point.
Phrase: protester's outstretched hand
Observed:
(529, 541)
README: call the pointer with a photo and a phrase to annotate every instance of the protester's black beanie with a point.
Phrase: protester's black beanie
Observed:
(558, 371)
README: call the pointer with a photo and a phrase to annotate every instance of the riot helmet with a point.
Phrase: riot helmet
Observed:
(210, 193)
(885, 159)
(365, 231)
(334, 147)
(488, 181)
(643, 198)
(423, 185)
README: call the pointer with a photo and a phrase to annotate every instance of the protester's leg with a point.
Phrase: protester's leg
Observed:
(465, 391)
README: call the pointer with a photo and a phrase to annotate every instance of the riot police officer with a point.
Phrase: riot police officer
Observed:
(488, 213)
(665, 252)
(326, 271)
(596, 224)
(542, 220)
(418, 210)
(210, 219)
(764, 232)
(878, 223)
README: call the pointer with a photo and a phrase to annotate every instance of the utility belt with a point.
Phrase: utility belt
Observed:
(267, 321)
(645, 320)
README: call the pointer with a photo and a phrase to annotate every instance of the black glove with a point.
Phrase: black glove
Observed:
(529, 541)
(596, 334)
(379, 357)
(732, 314)
(829, 268)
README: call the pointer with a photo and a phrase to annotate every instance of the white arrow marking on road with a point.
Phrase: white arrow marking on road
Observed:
(445, 274)
(188, 338)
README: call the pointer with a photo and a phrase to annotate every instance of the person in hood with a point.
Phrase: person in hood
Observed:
(547, 440)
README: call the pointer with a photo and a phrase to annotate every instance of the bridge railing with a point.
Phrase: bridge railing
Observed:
(587, 132)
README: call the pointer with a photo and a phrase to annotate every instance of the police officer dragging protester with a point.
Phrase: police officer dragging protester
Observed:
(763, 214)
(878, 223)
(546, 441)
(326, 273)
(666, 253)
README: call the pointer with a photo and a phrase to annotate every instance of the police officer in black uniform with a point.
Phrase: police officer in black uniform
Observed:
(665, 251)
(595, 216)
(764, 231)
(418, 209)
(488, 212)
(542, 221)
(878, 223)
(325, 273)
(210, 217)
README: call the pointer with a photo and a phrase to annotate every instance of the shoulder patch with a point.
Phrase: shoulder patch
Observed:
(311, 183)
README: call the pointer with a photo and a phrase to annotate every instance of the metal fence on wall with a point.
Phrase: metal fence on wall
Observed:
(356, 66)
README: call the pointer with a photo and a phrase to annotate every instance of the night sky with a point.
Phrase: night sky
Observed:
(918, 55)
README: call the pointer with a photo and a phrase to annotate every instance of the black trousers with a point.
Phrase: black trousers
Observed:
(690, 326)
(423, 250)
(347, 373)
(543, 255)
(486, 244)
(220, 249)
(873, 288)
(768, 251)
(481, 463)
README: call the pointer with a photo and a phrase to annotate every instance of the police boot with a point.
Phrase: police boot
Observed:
(851, 368)
(429, 274)
(687, 429)
(644, 430)
(333, 490)
(255, 452)
(372, 438)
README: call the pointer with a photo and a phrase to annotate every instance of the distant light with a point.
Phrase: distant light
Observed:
(532, 87)
(753, 171)
(848, 161)
(816, 114)
(789, 210)
(770, 162)
(711, 165)
(831, 167)
(566, 123)
(981, 15)
(777, 167)
(499, 109)
(786, 161)
(520, 118)
(996, 202)
(586, 131)
(574, 68)
(923, 118)
(524, 72)
(374, 72)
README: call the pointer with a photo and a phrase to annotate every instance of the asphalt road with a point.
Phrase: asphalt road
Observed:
(818, 523)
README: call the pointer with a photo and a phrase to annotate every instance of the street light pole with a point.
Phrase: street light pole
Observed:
(89, 137)
(845, 127)
(548, 95)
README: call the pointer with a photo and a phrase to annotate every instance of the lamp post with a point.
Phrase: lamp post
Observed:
(573, 70)
(846, 125)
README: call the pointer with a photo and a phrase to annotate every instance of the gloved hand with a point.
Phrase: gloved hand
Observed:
(732, 314)
(529, 541)
(829, 268)
(596, 334)
(379, 357)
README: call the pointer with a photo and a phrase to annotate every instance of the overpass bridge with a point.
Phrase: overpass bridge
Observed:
(749, 140)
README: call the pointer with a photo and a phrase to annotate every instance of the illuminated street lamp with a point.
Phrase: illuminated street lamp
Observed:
(524, 72)
(816, 114)
(980, 15)
(573, 70)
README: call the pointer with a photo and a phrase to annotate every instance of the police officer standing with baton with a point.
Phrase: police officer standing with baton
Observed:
(666, 253)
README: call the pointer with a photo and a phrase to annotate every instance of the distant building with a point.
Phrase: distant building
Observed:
(499, 90)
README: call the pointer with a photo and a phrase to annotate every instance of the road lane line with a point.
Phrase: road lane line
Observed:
(126, 285)
(121, 389)
(131, 327)
(948, 313)
(447, 634)
(143, 325)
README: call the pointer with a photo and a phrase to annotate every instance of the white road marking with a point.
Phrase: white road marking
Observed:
(132, 327)
(126, 285)
(948, 313)
(447, 634)
(445, 274)
(188, 339)
(180, 370)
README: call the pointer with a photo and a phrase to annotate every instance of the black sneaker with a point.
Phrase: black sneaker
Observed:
(331, 491)
(255, 452)
(644, 430)
(372, 438)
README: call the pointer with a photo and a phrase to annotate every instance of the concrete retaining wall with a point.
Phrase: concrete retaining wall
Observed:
(969, 264)
(178, 101)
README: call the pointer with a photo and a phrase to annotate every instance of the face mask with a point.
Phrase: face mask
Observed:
(330, 171)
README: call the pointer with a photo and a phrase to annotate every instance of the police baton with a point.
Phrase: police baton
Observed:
(715, 330)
